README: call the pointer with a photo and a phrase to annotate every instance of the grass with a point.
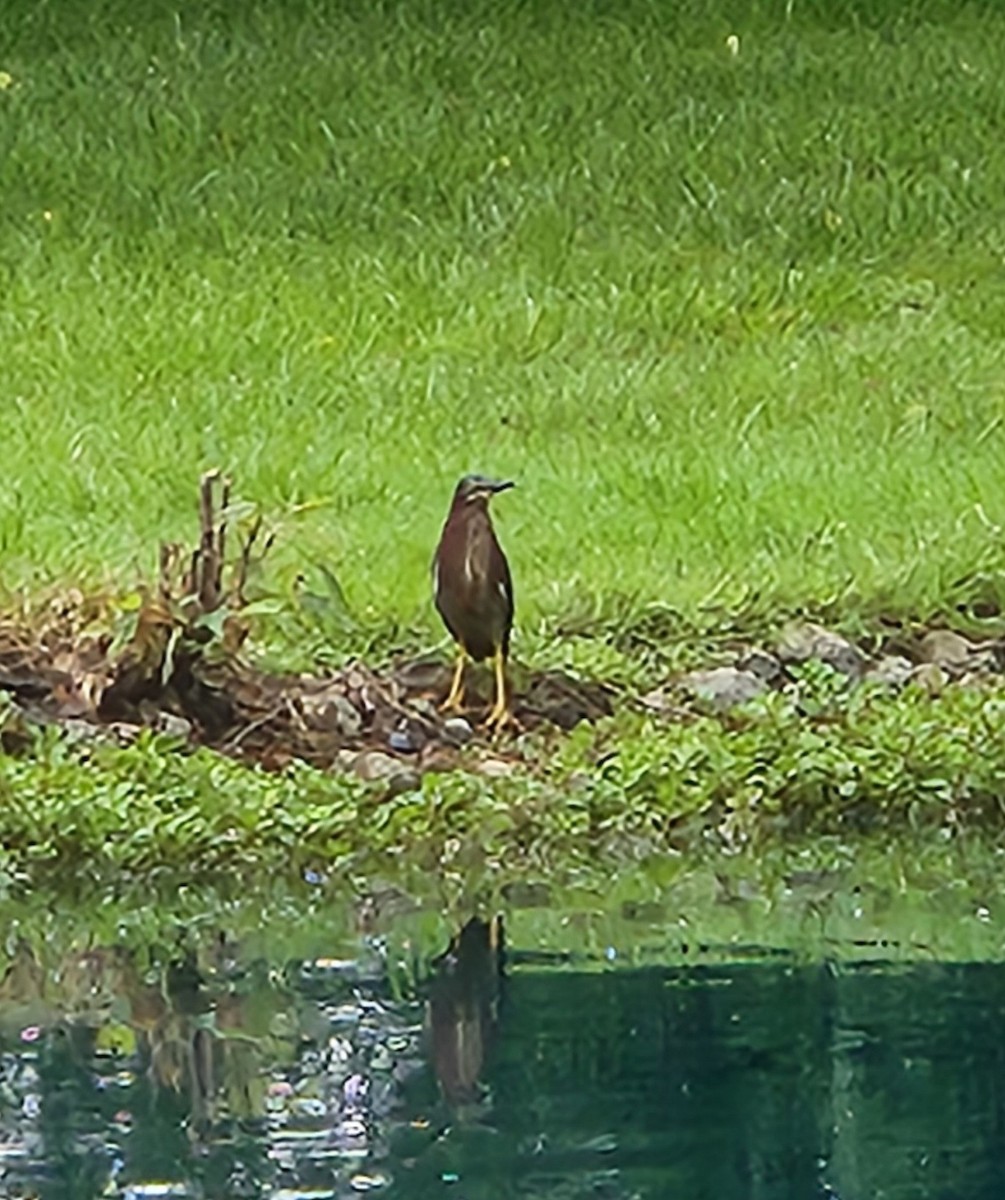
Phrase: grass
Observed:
(721, 286)
(731, 320)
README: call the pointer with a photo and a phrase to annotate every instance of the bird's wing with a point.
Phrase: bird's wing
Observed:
(501, 572)
(505, 578)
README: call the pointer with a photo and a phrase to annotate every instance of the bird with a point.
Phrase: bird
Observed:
(473, 590)
(462, 1010)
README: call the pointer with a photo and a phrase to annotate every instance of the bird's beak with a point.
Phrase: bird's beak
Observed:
(487, 488)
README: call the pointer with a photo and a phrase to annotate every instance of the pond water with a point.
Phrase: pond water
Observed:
(209, 1064)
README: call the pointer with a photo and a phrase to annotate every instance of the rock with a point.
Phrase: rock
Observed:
(76, 729)
(345, 760)
(946, 648)
(406, 780)
(174, 725)
(331, 712)
(975, 679)
(424, 708)
(496, 768)
(423, 675)
(931, 677)
(762, 664)
(892, 670)
(800, 643)
(403, 742)
(438, 758)
(564, 700)
(373, 764)
(656, 701)
(958, 656)
(349, 720)
(457, 731)
(723, 687)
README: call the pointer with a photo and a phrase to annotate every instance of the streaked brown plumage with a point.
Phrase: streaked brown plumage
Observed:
(473, 589)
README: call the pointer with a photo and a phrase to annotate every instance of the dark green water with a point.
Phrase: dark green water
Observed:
(218, 1073)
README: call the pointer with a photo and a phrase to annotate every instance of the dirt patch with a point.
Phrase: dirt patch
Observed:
(176, 664)
(374, 721)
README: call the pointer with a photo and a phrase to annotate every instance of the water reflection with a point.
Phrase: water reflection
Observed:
(462, 1009)
(200, 1070)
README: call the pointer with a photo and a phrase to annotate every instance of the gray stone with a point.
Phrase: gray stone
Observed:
(800, 643)
(174, 725)
(946, 648)
(422, 675)
(975, 679)
(723, 687)
(349, 720)
(457, 731)
(892, 670)
(931, 677)
(374, 764)
(331, 712)
(406, 780)
(657, 700)
(496, 768)
(345, 760)
(761, 663)
(402, 741)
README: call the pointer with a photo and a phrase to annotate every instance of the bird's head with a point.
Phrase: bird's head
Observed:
(478, 490)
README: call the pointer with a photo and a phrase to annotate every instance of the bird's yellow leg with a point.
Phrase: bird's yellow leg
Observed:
(500, 714)
(455, 697)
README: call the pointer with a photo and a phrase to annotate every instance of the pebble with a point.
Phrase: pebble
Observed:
(348, 719)
(406, 780)
(402, 741)
(496, 768)
(931, 677)
(374, 764)
(945, 647)
(332, 712)
(892, 670)
(799, 643)
(175, 726)
(723, 687)
(457, 731)
(657, 701)
(762, 664)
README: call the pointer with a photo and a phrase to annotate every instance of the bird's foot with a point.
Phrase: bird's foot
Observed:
(501, 718)
(454, 703)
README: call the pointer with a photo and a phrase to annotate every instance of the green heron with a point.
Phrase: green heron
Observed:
(462, 1011)
(473, 589)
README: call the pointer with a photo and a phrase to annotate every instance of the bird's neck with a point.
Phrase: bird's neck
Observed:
(472, 527)
(473, 518)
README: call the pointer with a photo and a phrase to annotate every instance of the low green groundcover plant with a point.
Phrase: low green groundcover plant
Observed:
(630, 788)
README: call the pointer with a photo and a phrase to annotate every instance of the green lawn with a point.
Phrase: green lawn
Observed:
(732, 320)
